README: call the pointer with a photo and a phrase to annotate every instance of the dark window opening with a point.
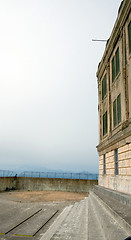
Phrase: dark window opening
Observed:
(105, 123)
(115, 65)
(116, 162)
(104, 164)
(129, 36)
(117, 61)
(117, 110)
(104, 86)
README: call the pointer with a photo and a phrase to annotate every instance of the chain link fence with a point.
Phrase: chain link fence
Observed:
(88, 176)
(66, 175)
(7, 173)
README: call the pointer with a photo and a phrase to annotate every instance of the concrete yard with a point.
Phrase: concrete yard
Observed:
(28, 215)
(49, 215)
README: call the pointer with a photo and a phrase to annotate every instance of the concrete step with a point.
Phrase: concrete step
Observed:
(94, 227)
(90, 219)
(75, 225)
(121, 197)
(56, 225)
(70, 224)
(121, 212)
(110, 228)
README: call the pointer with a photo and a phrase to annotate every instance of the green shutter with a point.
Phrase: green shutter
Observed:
(116, 161)
(102, 89)
(114, 113)
(129, 36)
(113, 69)
(105, 124)
(119, 108)
(104, 164)
(104, 86)
(117, 61)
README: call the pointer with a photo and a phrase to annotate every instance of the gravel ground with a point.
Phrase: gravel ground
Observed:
(42, 196)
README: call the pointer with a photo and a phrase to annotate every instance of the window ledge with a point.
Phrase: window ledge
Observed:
(129, 55)
(116, 78)
(117, 126)
(104, 98)
(105, 136)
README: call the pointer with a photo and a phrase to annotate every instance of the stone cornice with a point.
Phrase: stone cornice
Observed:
(116, 32)
(122, 134)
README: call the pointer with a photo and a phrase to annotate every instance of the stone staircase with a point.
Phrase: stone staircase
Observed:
(102, 216)
(70, 224)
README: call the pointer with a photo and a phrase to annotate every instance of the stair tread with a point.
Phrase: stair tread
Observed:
(112, 230)
(124, 211)
(94, 230)
(75, 224)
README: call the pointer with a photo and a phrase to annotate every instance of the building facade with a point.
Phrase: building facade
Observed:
(114, 105)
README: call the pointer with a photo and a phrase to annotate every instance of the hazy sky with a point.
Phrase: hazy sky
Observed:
(48, 85)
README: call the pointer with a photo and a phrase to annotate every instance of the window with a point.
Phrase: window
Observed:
(119, 108)
(117, 111)
(114, 113)
(115, 65)
(105, 123)
(104, 86)
(117, 61)
(113, 69)
(129, 36)
(104, 164)
(116, 161)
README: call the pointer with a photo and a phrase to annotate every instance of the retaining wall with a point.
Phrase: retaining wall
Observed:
(7, 183)
(55, 184)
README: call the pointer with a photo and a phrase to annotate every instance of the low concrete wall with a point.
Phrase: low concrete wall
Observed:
(7, 183)
(55, 184)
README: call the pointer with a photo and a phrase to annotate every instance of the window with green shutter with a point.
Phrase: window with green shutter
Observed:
(114, 113)
(104, 86)
(104, 164)
(115, 65)
(117, 61)
(116, 161)
(117, 110)
(113, 69)
(105, 123)
(129, 36)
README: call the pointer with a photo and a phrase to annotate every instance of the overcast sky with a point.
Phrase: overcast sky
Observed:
(48, 85)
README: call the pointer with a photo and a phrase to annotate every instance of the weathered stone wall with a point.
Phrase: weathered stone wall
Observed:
(121, 182)
(70, 185)
(118, 135)
(35, 184)
(7, 183)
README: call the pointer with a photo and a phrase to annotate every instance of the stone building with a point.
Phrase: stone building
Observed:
(114, 105)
